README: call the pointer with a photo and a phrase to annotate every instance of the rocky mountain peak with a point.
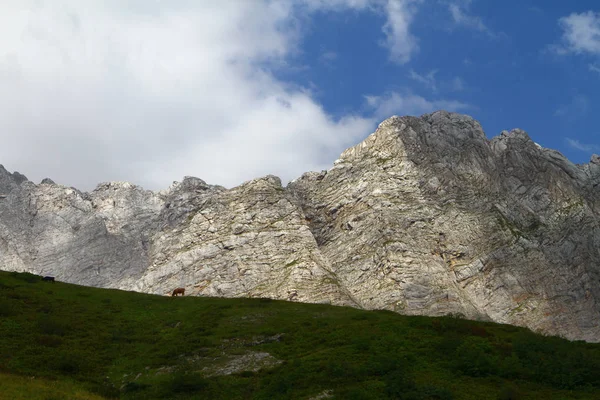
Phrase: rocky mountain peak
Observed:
(10, 181)
(47, 181)
(454, 126)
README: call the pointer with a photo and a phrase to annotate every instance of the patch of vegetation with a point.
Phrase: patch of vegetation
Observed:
(292, 263)
(576, 206)
(89, 343)
(520, 307)
(330, 280)
(507, 224)
(383, 160)
(16, 387)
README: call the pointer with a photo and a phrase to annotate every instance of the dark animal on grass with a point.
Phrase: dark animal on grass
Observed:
(48, 279)
(179, 290)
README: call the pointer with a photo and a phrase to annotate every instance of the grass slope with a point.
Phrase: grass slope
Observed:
(93, 343)
(16, 387)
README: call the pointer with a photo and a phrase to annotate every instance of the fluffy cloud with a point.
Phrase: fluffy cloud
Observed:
(581, 33)
(409, 104)
(400, 42)
(336, 4)
(151, 91)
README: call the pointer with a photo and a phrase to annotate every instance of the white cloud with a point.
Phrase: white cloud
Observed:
(460, 12)
(149, 92)
(428, 80)
(400, 42)
(594, 68)
(577, 145)
(320, 5)
(581, 33)
(395, 103)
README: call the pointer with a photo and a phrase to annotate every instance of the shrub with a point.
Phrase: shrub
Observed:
(49, 340)
(7, 308)
(433, 393)
(25, 277)
(67, 363)
(509, 392)
(474, 357)
(398, 383)
(131, 387)
(187, 383)
(49, 326)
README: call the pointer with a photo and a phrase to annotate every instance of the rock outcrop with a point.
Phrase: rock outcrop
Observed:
(425, 216)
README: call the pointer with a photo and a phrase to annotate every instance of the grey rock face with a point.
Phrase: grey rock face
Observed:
(248, 241)
(425, 216)
(48, 181)
(9, 181)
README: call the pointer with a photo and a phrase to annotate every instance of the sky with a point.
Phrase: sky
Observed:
(230, 90)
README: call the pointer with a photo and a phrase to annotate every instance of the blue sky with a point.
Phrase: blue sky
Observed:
(151, 91)
(503, 62)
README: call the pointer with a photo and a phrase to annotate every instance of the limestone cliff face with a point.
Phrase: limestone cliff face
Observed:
(426, 216)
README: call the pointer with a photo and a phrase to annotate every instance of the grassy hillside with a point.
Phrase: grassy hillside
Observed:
(58, 339)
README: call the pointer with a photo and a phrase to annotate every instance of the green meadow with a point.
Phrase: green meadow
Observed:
(63, 341)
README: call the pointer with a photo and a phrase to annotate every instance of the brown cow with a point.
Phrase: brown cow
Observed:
(179, 290)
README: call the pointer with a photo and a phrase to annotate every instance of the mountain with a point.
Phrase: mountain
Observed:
(426, 216)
